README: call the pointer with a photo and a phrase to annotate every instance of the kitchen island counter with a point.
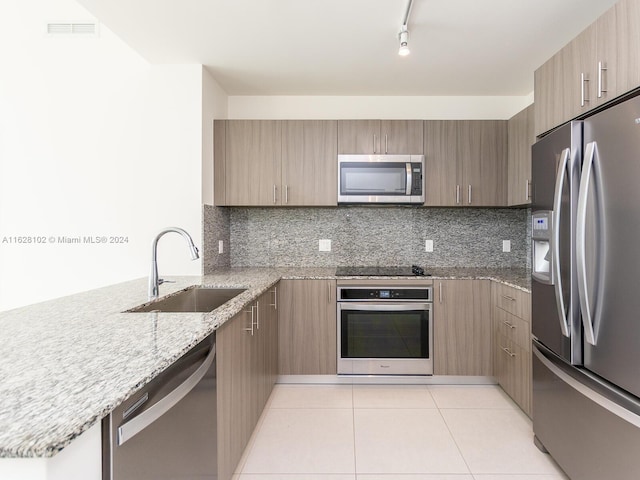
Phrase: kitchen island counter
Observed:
(68, 362)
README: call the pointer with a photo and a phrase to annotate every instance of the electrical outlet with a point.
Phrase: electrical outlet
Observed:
(220, 246)
(506, 246)
(324, 245)
(428, 245)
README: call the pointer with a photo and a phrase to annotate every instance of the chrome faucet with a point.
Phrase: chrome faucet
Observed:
(154, 281)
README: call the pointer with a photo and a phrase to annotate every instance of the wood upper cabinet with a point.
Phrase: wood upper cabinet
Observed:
(521, 137)
(246, 369)
(274, 162)
(484, 162)
(627, 33)
(253, 150)
(309, 163)
(466, 162)
(380, 137)
(548, 95)
(462, 327)
(307, 327)
(590, 70)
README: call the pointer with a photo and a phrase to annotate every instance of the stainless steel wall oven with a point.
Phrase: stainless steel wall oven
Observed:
(385, 330)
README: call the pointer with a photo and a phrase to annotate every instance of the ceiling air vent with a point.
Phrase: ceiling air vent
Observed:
(84, 29)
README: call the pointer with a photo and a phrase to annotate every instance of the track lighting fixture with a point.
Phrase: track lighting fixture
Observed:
(404, 38)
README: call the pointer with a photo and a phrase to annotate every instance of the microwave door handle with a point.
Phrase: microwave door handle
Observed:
(408, 168)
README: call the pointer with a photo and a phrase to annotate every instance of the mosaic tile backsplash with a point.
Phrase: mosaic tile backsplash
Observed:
(370, 236)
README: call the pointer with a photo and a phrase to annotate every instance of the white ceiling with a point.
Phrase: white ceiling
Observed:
(349, 47)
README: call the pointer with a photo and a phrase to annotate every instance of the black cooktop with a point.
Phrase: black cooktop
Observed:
(412, 271)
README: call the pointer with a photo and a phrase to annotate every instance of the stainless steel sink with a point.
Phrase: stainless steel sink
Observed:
(194, 299)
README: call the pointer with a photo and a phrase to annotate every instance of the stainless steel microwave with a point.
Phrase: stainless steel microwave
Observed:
(381, 179)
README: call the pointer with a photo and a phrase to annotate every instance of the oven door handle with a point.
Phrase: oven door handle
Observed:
(385, 307)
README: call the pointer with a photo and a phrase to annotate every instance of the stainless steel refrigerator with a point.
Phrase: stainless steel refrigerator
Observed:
(586, 294)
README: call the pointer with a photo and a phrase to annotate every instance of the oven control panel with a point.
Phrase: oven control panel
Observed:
(346, 294)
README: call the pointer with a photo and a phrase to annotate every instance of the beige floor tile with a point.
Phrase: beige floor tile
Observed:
(521, 477)
(398, 441)
(312, 396)
(470, 396)
(425, 476)
(302, 441)
(392, 396)
(497, 441)
(295, 476)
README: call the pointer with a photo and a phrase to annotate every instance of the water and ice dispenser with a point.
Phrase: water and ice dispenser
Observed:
(541, 248)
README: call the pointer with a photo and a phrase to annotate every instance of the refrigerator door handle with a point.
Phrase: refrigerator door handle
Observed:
(555, 241)
(581, 243)
(591, 394)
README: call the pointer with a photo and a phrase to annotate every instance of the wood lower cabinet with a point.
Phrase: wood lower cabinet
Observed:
(247, 368)
(466, 162)
(521, 137)
(380, 137)
(511, 311)
(307, 327)
(462, 327)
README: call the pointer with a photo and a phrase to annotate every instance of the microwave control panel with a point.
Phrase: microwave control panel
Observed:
(416, 178)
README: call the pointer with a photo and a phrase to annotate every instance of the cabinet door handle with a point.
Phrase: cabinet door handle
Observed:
(440, 293)
(252, 323)
(527, 191)
(507, 297)
(374, 143)
(328, 292)
(274, 193)
(469, 194)
(286, 194)
(510, 325)
(275, 298)
(601, 90)
(386, 144)
(457, 194)
(257, 314)
(583, 90)
(506, 350)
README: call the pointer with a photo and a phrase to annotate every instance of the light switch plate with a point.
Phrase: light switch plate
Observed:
(324, 245)
(220, 246)
(428, 245)
(506, 246)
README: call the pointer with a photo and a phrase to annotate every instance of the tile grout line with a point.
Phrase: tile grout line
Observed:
(454, 441)
(353, 419)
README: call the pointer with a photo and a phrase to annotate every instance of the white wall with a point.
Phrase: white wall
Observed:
(94, 141)
(214, 106)
(349, 107)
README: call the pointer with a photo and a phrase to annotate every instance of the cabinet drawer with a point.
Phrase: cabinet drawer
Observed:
(515, 365)
(513, 328)
(512, 300)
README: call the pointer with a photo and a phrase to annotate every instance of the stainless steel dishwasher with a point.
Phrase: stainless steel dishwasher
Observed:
(167, 430)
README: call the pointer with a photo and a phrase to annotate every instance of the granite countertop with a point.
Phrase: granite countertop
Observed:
(68, 362)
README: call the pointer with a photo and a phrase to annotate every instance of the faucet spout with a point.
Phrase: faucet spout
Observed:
(154, 281)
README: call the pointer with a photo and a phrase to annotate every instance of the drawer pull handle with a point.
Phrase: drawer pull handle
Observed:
(507, 297)
(506, 350)
(510, 325)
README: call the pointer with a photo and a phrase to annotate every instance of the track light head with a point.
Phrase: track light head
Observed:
(403, 36)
